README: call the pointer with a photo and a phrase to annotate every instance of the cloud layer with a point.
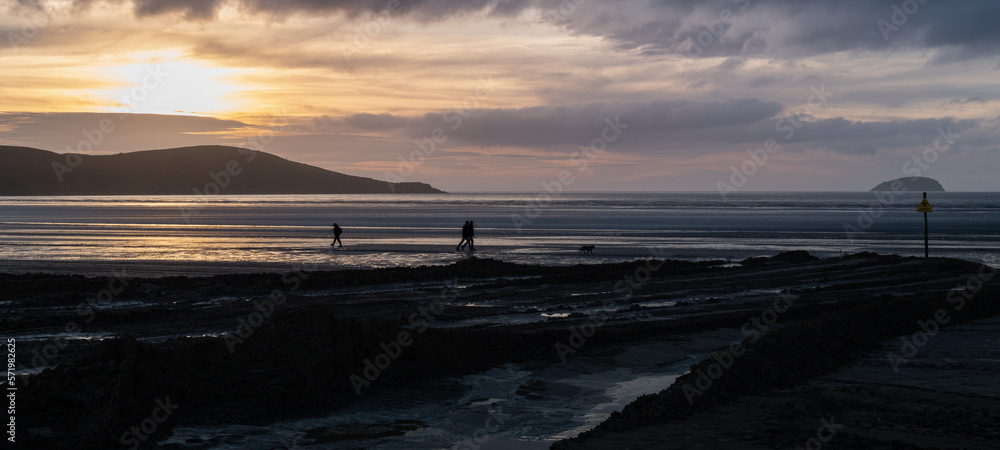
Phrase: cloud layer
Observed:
(691, 84)
(956, 31)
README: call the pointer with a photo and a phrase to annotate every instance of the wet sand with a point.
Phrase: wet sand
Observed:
(945, 397)
(258, 349)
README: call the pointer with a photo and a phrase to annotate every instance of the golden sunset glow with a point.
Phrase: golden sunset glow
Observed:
(517, 91)
(500, 224)
(172, 84)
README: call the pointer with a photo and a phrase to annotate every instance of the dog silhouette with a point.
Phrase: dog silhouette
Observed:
(587, 249)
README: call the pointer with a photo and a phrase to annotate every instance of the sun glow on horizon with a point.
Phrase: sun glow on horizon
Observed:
(169, 83)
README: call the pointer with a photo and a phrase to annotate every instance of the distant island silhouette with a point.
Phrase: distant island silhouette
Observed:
(910, 184)
(209, 169)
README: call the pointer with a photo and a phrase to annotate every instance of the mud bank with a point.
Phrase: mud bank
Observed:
(889, 330)
(329, 339)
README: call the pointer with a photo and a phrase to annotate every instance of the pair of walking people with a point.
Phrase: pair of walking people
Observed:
(468, 236)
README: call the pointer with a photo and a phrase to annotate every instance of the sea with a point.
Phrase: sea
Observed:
(138, 236)
(204, 235)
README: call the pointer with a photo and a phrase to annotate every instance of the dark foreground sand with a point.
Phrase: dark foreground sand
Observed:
(256, 349)
(947, 397)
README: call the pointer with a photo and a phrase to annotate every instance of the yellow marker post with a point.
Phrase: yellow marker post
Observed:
(925, 207)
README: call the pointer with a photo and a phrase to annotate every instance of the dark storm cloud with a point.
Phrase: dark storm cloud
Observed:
(424, 10)
(666, 126)
(552, 125)
(785, 28)
(375, 122)
(192, 9)
(781, 28)
(960, 101)
(837, 135)
(34, 4)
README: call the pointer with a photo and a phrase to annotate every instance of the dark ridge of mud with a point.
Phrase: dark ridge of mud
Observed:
(70, 290)
(50, 289)
(795, 256)
(794, 354)
(73, 291)
(298, 363)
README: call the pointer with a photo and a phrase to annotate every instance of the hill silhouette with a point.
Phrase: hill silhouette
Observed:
(911, 184)
(210, 170)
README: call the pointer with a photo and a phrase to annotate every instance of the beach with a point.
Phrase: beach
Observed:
(500, 225)
(160, 236)
(488, 354)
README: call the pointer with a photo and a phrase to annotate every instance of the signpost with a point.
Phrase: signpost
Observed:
(925, 207)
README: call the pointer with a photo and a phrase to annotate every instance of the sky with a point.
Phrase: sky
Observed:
(523, 95)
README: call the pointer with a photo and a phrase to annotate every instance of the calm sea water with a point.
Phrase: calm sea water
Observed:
(204, 234)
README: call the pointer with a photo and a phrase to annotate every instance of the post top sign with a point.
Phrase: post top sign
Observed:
(925, 206)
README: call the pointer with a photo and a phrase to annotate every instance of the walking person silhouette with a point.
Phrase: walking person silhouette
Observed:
(472, 236)
(465, 237)
(336, 235)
